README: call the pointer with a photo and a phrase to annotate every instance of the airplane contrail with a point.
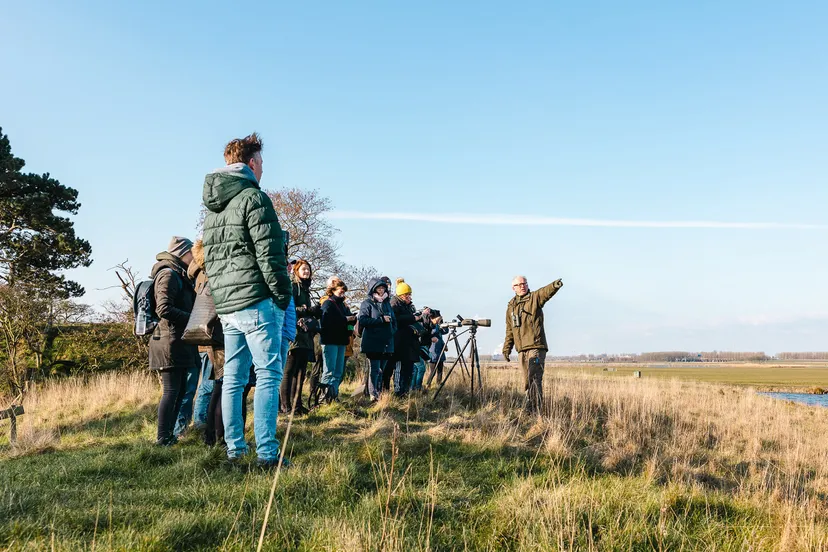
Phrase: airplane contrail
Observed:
(524, 220)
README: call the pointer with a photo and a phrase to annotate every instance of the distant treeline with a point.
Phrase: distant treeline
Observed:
(672, 356)
(803, 356)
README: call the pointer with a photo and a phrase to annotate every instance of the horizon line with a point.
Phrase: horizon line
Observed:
(522, 220)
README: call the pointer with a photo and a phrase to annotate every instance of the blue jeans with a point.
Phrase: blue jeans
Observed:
(334, 367)
(375, 378)
(253, 336)
(419, 373)
(185, 414)
(205, 390)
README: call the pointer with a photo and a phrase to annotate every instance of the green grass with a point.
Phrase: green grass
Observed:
(767, 376)
(365, 478)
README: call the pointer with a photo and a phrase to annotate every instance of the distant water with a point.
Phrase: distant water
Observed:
(804, 398)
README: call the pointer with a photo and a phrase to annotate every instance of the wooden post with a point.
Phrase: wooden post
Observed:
(12, 413)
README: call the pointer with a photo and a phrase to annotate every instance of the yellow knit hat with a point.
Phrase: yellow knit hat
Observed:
(402, 287)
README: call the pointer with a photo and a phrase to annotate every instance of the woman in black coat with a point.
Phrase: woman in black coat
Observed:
(301, 350)
(335, 336)
(174, 296)
(406, 339)
(377, 325)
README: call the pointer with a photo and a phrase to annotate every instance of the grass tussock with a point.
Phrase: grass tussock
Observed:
(611, 464)
(67, 412)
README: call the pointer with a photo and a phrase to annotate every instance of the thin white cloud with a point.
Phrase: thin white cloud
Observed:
(524, 220)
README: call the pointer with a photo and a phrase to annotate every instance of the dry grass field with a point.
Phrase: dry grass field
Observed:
(613, 464)
(777, 376)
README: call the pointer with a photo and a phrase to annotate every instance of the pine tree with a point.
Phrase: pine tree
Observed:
(36, 242)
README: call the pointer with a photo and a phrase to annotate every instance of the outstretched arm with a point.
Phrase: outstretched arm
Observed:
(546, 293)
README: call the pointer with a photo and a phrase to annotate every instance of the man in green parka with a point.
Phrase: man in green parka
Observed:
(525, 332)
(244, 254)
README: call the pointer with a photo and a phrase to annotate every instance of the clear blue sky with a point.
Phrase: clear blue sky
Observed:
(611, 111)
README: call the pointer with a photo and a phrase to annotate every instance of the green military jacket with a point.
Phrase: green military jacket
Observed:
(527, 312)
(244, 246)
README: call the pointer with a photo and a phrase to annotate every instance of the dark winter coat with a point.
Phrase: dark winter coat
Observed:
(377, 334)
(304, 309)
(174, 298)
(425, 336)
(529, 334)
(335, 322)
(435, 350)
(407, 337)
(244, 246)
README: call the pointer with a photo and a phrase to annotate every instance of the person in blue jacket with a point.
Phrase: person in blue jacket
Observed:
(377, 325)
(437, 350)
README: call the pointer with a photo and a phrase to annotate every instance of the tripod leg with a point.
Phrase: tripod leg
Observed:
(445, 348)
(460, 356)
(445, 379)
(477, 362)
(450, 370)
(432, 371)
(472, 355)
(474, 360)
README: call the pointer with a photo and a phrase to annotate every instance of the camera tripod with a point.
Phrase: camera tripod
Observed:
(452, 338)
(472, 368)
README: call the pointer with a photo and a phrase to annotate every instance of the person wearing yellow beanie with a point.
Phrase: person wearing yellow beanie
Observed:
(402, 287)
(406, 340)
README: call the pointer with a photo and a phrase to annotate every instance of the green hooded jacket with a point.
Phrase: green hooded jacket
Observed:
(244, 248)
(528, 310)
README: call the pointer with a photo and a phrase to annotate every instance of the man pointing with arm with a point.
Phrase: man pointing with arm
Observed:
(525, 332)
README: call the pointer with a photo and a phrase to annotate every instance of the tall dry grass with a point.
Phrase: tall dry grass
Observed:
(712, 435)
(710, 438)
(632, 445)
(61, 405)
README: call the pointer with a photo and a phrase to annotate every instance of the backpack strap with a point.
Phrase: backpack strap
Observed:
(175, 272)
(162, 269)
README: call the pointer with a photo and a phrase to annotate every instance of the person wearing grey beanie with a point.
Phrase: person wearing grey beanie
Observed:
(174, 360)
(179, 247)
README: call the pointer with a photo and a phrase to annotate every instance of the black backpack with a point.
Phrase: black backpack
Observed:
(143, 306)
